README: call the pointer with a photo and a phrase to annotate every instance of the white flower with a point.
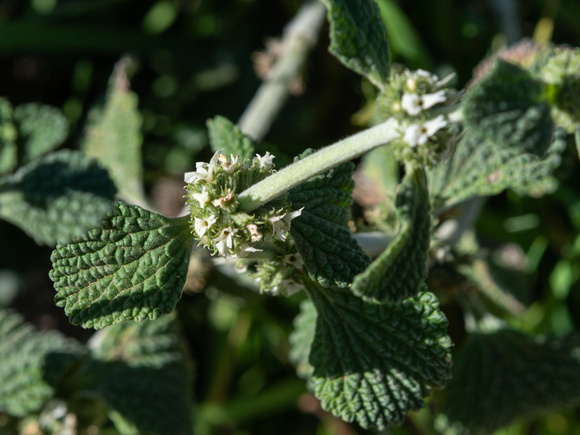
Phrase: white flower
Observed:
(255, 235)
(431, 78)
(246, 249)
(413, 104)
(416, 134)
(221, 202)
(231, 167)
(203, 171)
(281, 224)
(225, 241)
(202, 225)
(295, 260)
(202, 197)
(265, 162)
(288, 287)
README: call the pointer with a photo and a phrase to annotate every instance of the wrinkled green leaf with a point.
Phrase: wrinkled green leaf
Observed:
(144, 373)
(358, 38)
(8, 148)
(113, 136)
(401, 269)
(133, 267)
(480, 168)
(508, 374)
(225, 135)
(510, 109)
(33, 364)
(373, 363)
(40, 129)
(56, 197)
(323, 238)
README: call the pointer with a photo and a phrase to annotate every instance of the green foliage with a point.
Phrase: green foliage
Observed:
(57, 196)
(510, 109)
(113, 136)
(302, 338)
(400, 270)
(226, 136)
(34, 364)
(143, 373)
(479, 167)
(506, 374)
(373, 363)
(8, 134)
(133, 267)
(358, 38)
(332, 257)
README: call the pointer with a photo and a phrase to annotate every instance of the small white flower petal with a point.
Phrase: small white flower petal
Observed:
(202, 225)
(412, 135)
(411, 104)
(266, 162)
(434, 125)
(429, 100)
(202, 197)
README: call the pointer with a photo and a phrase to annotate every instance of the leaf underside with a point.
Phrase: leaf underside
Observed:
(373, 363)
(133, 267)
(401, 269)
(508, 374)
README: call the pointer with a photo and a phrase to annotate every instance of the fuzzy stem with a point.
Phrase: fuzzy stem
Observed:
(317, 163)
(299, 37)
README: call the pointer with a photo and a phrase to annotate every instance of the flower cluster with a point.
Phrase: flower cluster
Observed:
(417, 99)
(212, 191)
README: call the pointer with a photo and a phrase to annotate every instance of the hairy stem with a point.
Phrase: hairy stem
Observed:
(299, 37)
(317, 163)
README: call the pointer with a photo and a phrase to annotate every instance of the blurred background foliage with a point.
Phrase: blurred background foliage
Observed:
(194, 59)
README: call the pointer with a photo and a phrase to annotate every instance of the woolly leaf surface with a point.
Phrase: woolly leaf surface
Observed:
(358, 38)
(479, 168)
(323, 238)
(373, 363)
(400, 270)
(113, 136)
(57, 196)
(510, 109)
(507, 374)
(8, 148)
(302, 337)
(226, 136)
(133, 267)
(33, 364)
(143, 372)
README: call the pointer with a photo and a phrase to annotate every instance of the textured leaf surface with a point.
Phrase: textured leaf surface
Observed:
(358, 38)
(8, 148)
(510, 109)
(400, 270)
(131, 268)
(480, 168)
(302, 337)
(507, 374)
(144, 373)
(330, 253)
(375, 362)
(33, 363)
(225, 135)
(113, 136)
(40, 129)
(57, 197)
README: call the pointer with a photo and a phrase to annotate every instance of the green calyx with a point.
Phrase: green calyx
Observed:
(212, 192)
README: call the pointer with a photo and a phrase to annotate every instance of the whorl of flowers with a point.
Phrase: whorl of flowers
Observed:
(417, 99)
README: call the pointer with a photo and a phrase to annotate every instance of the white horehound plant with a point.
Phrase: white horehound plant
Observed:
(370, 339)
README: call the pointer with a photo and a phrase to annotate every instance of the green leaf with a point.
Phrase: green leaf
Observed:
(113, 136)
(480, 168)
(225, 135)
(510, 109)
(131, 268)
(57, 196)
(144, 373)
(302, 337)
(358, 38)
(8, 148)
(331, 255)
(33, 364)
(373, 363)
(40, 129)
(507, 374)
(401, 269)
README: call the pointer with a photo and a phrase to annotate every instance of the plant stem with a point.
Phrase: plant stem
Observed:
(300, 36)
(317, 163)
